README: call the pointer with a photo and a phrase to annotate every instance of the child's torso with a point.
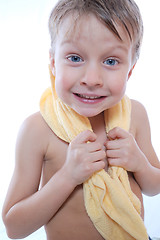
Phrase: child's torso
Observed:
(71, 220)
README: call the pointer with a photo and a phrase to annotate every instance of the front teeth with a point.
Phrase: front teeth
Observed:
(87, 97)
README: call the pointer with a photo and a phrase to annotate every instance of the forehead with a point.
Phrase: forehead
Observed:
(77, 27)
(88, 30)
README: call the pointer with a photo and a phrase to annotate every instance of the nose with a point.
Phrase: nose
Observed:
(92, 77)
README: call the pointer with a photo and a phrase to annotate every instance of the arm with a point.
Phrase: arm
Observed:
(134, 151)
(26, 209)
(148, 175)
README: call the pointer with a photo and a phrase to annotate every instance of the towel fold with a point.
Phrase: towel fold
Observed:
(110, 203)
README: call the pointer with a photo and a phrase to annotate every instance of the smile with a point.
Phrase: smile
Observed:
(89, 99)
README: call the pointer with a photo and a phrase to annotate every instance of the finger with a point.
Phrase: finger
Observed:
(94, 146)
(98, 155)
(114, 144)
(85, 136)
(98, 166)
(114, 162)
(113, 154)
(117, 132)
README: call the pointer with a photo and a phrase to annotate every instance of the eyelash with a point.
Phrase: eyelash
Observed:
(79, 59)
(111, 60)
(75, 57)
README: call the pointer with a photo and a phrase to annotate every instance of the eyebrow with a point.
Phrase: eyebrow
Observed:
(67, 42)
(121, 47)
(113, 47)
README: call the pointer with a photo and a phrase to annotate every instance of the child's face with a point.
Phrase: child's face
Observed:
(91, 65)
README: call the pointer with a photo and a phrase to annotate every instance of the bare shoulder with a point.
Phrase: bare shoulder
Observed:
(35, 122)
(139, 117)
(35, 131)
(34, 125)
(138, 109)
(140, 124)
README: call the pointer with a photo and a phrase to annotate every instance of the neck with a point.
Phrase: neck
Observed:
(97, 123)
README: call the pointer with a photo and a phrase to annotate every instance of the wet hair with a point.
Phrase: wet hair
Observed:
(109, 12)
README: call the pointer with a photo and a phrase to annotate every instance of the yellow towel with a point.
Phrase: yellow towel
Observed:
(110, 203)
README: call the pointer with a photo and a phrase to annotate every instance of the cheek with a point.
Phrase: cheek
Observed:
(66, 79)
(62, 85)
(118, 86)
(59, 85)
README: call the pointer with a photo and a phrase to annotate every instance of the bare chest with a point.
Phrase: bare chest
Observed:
(71, 220)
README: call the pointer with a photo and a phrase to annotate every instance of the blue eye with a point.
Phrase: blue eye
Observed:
(75, 58)
(111, 62)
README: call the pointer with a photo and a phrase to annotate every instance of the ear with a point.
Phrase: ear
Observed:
(52, 62)
(131, 70)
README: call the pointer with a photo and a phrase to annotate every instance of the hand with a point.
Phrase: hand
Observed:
(123, 151)
(84, 157)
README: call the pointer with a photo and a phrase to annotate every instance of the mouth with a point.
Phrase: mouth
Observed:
(89, 98)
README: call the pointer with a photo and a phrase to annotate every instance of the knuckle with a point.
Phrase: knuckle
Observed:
(77, 153)
(88, 133)
(107, 153)
(126, 154)
(86, 159)
(103, 164)
(110, 161)
(98, 145)
(108, 144)
(100, 155)
(103, 153)
(125, 163)
(87, 169)
(125, 160)
(128, 144)
(117, 130)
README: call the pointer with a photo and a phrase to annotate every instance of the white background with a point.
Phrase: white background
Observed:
(24, 45)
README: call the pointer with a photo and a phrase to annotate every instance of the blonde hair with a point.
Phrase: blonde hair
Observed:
(109, 12)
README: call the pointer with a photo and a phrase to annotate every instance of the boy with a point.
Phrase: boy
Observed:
(94, 47)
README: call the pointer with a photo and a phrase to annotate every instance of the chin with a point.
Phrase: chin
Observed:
(88, 113)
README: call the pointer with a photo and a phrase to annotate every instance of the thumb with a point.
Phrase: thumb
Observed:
(85, 136)
(117, 133)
